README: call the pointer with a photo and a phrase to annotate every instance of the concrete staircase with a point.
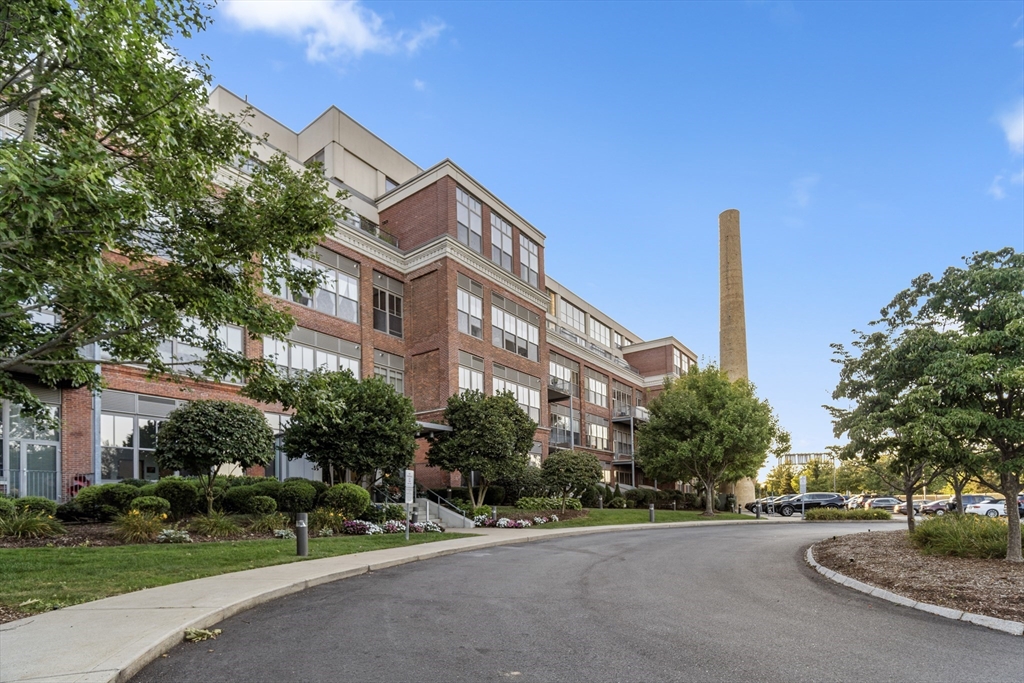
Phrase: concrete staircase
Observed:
(440, 515)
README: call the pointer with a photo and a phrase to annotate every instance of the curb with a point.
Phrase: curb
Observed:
(1014, 628)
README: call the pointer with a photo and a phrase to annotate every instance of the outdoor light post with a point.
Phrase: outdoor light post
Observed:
(301, 534)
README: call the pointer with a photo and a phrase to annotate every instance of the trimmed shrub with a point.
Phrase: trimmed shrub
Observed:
(326, 518)
(148, 490)
(30, 525)
(833, 514)
(152, 504)
(641, 497)
(321, 487)
(7, 508)
(378, 513)
(262, 505)
(182, 494)
(269, 487)
(239, 498)
(139, 527)
(495, 495)
(215, 525)
(350, 500)
(106, 501)
(962, 536)
(43, 506)
(137, 483)
(296, 496)
(69, 512)
(617, 502)
(547, 504)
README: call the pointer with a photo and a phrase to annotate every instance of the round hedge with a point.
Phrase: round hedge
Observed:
(152, 504)
(106, 501)
(182, 494)
(35, 505)
(296, 496)
(350, 500)
(262, 505)
(7, 508)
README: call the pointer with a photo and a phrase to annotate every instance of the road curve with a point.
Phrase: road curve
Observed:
(732, 603)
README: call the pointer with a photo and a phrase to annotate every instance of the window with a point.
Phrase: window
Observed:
(623, 445)
(471, 373)
(468, 214)
(529, 260)
(129, 426)
(597, 432)
(306, 350)
(501, 242)
(618, 340)
(565, 373)
(622, 398)
(524, 387)
(572, 316)
(565, 426)
(680, 363)
(390, 368)
(536, 454)
(597, 388)
(514, 327)
(387, 304)
(29, 455)
(189, 358)
(471, 307)
(600, 332)
(552, 301)
(389, 184)
(338, 293)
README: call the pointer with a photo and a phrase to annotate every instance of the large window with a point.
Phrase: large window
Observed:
(186, 357)
(501, 242)
(680, 363)
(622, 398)
(306, 350)
(387, 304)
(597, 387)
(529, 260)
(565, 373)
(623, 443)
(514, 327)
(338, 293)
(471, 307)
(471, 372)
(468, 216)
(30, 454)
(565, 426)
(525, 388)
(572, 316)
(600, 332)
(390, 368)
(129, 426)
(597, 432)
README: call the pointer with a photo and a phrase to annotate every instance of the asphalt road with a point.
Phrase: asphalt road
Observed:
(733, 603)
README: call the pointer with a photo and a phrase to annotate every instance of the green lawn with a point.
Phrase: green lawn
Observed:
(58, 577)
(609, 516)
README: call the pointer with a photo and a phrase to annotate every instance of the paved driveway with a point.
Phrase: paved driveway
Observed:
(732, 603)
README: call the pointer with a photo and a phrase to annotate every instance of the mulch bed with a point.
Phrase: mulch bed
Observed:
(95, 535)
(888, 560)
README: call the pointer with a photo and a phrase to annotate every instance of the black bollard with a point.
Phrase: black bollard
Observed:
(600, 502)
(652, 511)
(301, 534)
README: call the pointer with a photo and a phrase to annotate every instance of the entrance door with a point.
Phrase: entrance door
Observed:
(34, 466)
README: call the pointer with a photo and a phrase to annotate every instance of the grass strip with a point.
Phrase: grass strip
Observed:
(50, 578)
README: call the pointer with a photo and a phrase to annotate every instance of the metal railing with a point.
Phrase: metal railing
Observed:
(441, 501)
(563, 385)
(50, 484)
(589, 346)
(636, 412)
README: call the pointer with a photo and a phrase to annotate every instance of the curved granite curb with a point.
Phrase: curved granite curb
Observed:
(1015, 628)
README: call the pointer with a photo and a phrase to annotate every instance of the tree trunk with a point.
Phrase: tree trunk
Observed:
(1011, 489)
(958, 491)
(709, 499)
(472, 495)
(909, 493)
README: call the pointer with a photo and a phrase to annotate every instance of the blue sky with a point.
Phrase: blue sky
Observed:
(863, 143)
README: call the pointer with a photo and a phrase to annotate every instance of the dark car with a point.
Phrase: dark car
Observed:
(936, 507)
(886, 503)
(809, 501)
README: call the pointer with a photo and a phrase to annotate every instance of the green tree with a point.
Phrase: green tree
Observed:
(201, 436)
(491, 436)
(342, 423)
(964, 335)
(570, 473)
(707, 428)
(119, 226)
(780, 479)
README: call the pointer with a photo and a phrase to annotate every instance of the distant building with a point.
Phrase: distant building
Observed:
(798, 460)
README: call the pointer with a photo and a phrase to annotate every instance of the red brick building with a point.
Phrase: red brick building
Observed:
(435, 284)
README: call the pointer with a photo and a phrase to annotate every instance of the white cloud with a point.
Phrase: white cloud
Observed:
(1019, 43)
(419, 85)
(331, 29)
(1012, 122)
(802, 190)
(996, 188)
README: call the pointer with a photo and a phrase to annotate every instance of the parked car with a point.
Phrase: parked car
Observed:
(971, 499)
(901, 509)
(936, 507)
(885, 503)
(993, 508)
(858, 500)
(809, 501)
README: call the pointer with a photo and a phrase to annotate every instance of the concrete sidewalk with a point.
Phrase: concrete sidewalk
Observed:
(110, 640)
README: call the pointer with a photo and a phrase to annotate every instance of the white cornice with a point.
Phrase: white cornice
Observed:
(658, 380)
(593, 358)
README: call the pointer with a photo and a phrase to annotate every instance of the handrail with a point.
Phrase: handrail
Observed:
(441, 500)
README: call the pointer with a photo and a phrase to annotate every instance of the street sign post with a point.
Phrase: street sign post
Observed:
(803, 490)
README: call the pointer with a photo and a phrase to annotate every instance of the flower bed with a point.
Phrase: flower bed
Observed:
(506, 523)
(392, 526)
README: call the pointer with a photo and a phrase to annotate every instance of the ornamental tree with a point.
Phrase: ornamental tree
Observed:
(570, 473)
(491, 436)
(967, 328)
(341, 423)
(704, 426)
(120, 226)
(201, 436)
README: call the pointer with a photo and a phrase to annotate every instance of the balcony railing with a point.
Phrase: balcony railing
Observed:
(623, 451)
(589, 346)
(625, 413)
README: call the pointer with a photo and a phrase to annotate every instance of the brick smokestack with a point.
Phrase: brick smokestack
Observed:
(732, 334)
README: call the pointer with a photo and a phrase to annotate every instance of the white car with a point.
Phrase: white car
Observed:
(995, 508)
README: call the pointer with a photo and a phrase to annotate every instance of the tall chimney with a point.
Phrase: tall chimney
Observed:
(732, 334)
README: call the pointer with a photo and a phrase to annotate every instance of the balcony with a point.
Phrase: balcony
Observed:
(623, 453)
(559, 389)
(583, 342)
(626, 413)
